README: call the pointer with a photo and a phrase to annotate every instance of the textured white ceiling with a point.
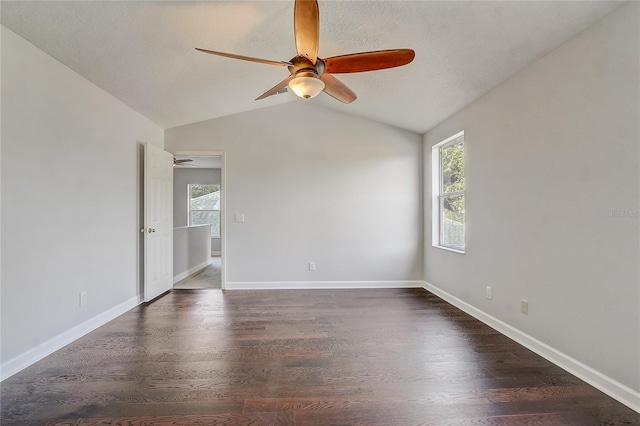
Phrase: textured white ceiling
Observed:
(143, 52)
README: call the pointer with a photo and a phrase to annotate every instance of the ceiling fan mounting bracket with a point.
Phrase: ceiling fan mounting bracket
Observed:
(300, 63)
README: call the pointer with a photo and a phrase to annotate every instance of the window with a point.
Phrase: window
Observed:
(448, 194)
(204, 206)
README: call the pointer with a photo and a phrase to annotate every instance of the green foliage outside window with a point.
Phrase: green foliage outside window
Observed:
(452, 163)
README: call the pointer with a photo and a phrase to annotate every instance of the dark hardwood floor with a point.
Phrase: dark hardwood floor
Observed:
(313, 357)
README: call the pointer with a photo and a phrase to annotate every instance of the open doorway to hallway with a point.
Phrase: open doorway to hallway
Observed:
(198, 199)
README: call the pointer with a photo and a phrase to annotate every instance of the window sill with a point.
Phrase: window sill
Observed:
(449, 249)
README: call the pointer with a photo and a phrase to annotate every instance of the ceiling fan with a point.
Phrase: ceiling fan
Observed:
(309, 74)
(180, 162)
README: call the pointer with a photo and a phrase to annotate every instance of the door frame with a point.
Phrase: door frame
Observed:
(223, 207)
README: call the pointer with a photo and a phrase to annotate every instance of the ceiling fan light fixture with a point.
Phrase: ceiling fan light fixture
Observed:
(306, 85)
(306, 67)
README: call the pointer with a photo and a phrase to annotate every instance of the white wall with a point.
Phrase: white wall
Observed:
(70, 200)
(191, 250)
(315, 185)
(182, 178)
(548, 153)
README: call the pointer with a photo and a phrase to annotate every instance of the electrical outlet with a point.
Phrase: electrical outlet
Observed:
(489, 292)
(524, 307)
(312, 266)
(238, 217)
(83, 298)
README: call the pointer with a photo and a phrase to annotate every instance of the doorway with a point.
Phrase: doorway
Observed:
(199, 218)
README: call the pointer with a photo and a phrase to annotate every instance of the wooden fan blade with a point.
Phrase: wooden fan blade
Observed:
(368, 61)
(275, 89)
(337, 89)
(245, 58)
(306, 28)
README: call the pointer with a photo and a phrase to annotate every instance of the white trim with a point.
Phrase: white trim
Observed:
(317, 285)
(192, 271)
(435, 196)
(450, 249)
(613, 388)
(606, 384)
(436, 192)
(34, 355)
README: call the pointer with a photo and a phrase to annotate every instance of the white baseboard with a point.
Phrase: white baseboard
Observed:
(191, 271)
(301, 285)
(22, 361)
(216, 253)
(611, 387)
(606, 384)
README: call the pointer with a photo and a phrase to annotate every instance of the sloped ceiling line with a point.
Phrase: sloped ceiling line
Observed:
(143, 52)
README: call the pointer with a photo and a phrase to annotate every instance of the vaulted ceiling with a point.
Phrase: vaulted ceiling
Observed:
(143, 52)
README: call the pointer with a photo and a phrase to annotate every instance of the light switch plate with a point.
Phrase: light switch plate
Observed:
(239, 217)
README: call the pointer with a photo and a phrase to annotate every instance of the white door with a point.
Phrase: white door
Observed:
(158, 222)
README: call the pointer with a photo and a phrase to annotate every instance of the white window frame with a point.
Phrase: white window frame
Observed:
(202, 210)
(437, 196)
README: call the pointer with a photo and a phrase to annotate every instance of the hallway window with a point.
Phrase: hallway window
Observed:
(204, 206)
(448, 194)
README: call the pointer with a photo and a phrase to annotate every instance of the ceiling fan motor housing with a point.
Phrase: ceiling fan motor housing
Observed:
(302, 64)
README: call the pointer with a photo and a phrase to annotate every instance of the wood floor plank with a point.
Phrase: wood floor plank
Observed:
(301, 357)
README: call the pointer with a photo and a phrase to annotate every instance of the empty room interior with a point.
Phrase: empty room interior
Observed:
(320, 212)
